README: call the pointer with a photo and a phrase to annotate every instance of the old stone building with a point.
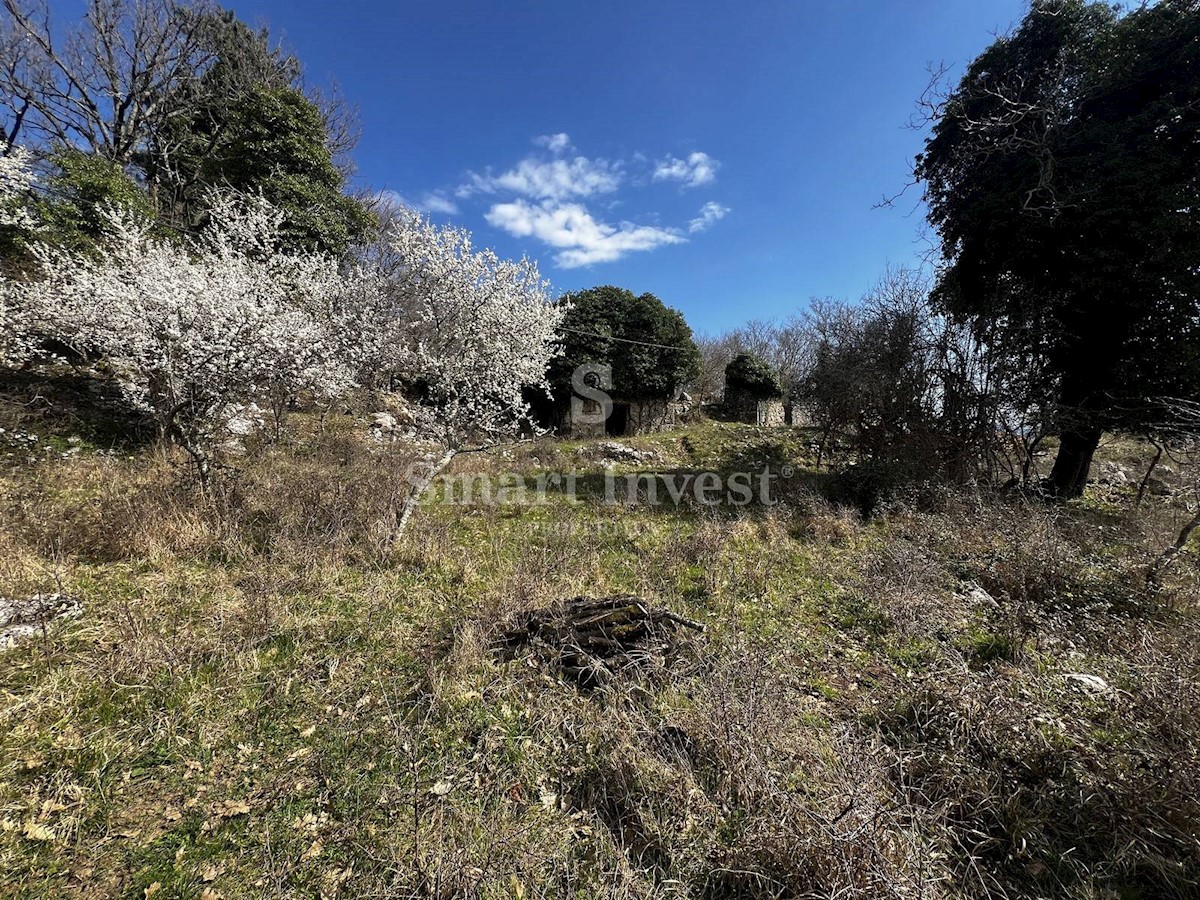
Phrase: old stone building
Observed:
(628, 416)
(742, 406)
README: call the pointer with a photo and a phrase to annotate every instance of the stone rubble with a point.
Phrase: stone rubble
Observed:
(21, 619)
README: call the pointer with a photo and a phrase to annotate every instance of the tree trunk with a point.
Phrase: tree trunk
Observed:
(199, 455)
(203, 466)
(1073, 462)
(1141, 494)
(10, 138)
(1030, 460)
(414, 497)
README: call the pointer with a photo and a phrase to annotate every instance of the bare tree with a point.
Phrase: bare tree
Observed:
(106, 83)
(1177, 435)
(15, 76)
(343, 128)
(916, 394)
(793, 354)
(788, 347)
(715, 353)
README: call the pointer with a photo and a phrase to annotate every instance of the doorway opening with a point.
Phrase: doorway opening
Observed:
(617, 423)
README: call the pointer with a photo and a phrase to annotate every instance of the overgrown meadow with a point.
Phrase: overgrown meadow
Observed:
(966, 695)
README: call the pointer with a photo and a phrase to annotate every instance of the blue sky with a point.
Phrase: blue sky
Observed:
(724, 156)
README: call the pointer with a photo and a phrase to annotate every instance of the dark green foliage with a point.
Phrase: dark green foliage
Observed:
(748, 374)
(1061, 175)
(82, 186)
(244, 58)
(15, 235)
(223, 109)
(595, 330)
(274, 143)
(245, 125)
(69, 211)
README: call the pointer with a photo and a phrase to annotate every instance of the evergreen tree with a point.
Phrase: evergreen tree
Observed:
(648, 344)
(1062, 174)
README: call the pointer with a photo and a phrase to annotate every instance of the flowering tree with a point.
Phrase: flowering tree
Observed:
(12, 329)
(17, 180)
(193, 330)
(466, 332)
(16, 185)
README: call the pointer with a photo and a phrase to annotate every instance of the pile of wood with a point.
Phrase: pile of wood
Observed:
(590, 640)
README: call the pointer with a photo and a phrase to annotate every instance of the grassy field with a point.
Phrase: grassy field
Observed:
(260, 700)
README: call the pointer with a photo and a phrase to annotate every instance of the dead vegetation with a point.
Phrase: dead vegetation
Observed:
(969, 695)
(592, 640)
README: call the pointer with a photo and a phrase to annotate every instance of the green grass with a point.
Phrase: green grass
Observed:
(259, 702)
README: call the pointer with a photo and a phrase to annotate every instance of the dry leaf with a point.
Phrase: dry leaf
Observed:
(37, 832)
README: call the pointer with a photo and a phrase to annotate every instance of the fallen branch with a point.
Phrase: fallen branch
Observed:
(1172, 553)
(593, 639)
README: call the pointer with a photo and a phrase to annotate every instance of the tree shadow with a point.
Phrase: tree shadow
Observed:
(67, 403)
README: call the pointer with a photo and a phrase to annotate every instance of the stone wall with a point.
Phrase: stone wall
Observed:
(630, 417)
(586, 428)
(800, 416)
(740, 407)
(771, 413)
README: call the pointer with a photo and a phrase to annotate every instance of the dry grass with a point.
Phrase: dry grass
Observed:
(259, 701)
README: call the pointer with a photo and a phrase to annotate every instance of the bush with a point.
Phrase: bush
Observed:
(750, 375)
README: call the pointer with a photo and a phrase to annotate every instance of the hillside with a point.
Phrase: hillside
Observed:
(966, 694)
(591, 452)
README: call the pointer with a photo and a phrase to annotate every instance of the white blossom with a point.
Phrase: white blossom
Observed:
(465, 331)
(194, 330)
(12, 330)
(17, 181)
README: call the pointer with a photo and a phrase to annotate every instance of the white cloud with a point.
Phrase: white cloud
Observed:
(439, 203)
(430, 202)
(553, 179)
(555, 143)
(579, 238)
(699, 168)
(542, 197)
(710, 213)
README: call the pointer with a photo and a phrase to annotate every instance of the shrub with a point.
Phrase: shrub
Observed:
(747, 374)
